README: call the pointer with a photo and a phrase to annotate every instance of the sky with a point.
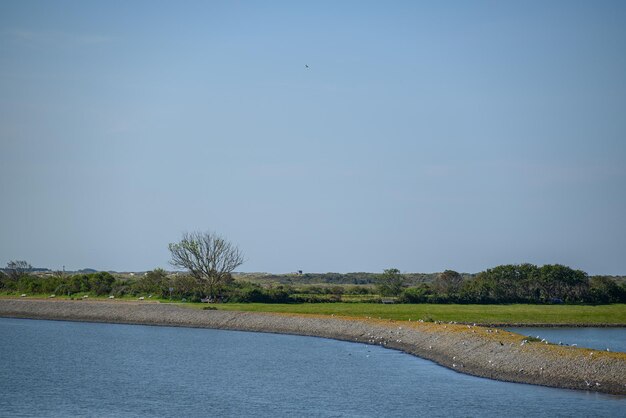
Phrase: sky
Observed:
(423, 136)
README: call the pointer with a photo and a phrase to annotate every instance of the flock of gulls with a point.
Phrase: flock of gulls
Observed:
(372, 338)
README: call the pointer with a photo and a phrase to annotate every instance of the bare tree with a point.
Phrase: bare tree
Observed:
(209, 258)
(18, 269)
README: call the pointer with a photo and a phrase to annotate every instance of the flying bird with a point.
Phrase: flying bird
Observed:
(306, 66)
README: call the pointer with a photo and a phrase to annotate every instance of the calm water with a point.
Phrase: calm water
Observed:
(65, 369)
(599, 338)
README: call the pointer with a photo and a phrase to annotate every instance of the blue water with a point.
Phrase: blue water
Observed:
(599, 338)
(62, 369)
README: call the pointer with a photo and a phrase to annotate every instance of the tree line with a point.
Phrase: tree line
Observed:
(209, 260)
(511, 283)
(523, 283)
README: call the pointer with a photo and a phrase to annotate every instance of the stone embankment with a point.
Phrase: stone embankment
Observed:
(475, 350)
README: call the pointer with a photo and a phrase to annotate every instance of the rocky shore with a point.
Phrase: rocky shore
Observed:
(475, 350)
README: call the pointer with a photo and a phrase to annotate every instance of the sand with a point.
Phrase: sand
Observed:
(475, 350)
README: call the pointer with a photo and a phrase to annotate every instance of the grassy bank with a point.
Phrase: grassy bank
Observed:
(484, 314)
(614, 314)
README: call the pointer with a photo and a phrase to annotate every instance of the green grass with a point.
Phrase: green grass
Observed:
(485, 314)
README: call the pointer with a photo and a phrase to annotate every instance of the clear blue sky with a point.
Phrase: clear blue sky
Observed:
(423, 136)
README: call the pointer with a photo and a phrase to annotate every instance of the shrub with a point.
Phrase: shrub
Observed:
(100, 283)
(417, 294)
(390, 283)
(155, 282)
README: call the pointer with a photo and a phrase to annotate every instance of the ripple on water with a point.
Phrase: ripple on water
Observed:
(53, 368)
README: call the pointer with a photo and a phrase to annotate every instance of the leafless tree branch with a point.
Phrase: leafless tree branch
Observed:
(209, 257)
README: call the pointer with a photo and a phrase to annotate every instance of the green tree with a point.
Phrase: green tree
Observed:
(154, 281)
(29, 284)
(561, 282)
(477, 290)
(505, 283)
(604, 289)
(50, 284)
(100, 283)
(78, 283)
(447, 283)
(185, 285)
(417, 294)
(390, 283)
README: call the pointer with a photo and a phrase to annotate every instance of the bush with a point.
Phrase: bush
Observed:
(417, 294)
(4, 279)
(390, 283)
(603, 289)
(253, 293)
(100, 283)
(247, 295)
(357, 290)
(154, 282)
(314, 298)
(120, 288)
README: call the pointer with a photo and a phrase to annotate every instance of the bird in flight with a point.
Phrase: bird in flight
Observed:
(306, 66)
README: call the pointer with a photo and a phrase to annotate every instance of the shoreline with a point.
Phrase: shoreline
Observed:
(476, 350)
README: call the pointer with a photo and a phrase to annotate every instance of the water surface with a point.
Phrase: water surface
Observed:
(61, 369)
(599, 338)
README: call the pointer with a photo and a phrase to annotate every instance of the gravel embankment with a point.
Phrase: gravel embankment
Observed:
(475, 350)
